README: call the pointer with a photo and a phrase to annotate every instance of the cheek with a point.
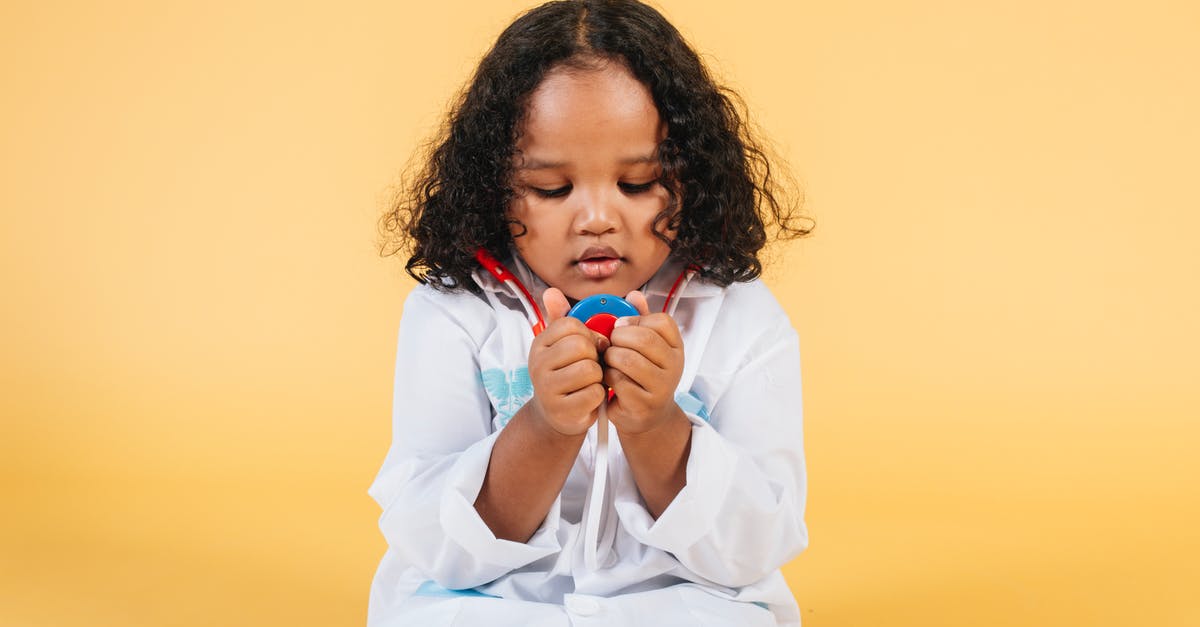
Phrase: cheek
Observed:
(517, 216)
(661, 201)
(538, 219)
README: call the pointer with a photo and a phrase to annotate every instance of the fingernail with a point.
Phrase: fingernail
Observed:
(622, 322)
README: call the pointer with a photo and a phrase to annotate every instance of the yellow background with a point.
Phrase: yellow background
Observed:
(997, 310)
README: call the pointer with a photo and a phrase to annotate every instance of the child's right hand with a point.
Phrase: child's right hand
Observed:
(565, 370)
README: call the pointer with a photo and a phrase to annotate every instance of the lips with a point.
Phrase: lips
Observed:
(599, 262)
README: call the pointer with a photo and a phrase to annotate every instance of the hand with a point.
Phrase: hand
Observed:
(565, 370)
(644, 364)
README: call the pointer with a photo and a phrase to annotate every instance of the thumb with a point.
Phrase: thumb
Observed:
(556, 304)
(639, 303)
(638, 300)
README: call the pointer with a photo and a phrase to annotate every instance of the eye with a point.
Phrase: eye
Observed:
(552, 193)
(630, 188)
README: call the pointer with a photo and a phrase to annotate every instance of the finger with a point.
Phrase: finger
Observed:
(585, 399)
(577, 375)
(559, 329)
(665, 326)
(556, 304)
(638, 300)
(627, 321)
(625, 386)
(649, 347)
(632, 364)
(646, 343)
(639, 303)
(571, 348)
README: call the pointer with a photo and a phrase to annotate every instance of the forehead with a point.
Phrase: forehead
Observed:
(587, 115)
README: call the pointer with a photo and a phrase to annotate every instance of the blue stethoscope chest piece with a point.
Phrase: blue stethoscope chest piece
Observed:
(600, 312)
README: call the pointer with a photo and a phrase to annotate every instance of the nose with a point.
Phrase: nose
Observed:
(596, 214)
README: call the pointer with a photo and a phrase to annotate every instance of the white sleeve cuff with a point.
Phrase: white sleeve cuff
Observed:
(464, 526)
(692, 513)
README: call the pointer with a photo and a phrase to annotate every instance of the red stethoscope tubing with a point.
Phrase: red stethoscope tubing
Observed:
(504, 275)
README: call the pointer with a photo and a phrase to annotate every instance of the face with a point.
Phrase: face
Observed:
(587, 175)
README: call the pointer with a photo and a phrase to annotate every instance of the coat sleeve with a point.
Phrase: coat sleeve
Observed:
(741, 514)
(442, 440)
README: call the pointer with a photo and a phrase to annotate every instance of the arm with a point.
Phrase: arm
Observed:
(740, 515)
(520, 487)
(442, 443)
(658, 460)
(645, 362)
(534, 453)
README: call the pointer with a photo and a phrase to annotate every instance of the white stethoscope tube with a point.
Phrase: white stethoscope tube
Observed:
(595, 501)
(594, 504)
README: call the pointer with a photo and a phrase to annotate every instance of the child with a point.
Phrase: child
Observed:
(540, 473)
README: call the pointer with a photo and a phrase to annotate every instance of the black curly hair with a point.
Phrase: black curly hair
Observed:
(458, 200)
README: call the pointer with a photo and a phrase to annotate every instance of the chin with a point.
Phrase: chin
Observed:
(606, 287)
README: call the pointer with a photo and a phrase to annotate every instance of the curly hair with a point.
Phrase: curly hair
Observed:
(459, 198)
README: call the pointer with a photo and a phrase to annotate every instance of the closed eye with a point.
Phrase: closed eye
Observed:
(630, 188)
(552, 193)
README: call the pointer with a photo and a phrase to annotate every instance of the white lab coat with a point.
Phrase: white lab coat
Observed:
(711, 558)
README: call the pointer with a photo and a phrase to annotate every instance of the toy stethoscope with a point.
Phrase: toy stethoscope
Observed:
(599, 313)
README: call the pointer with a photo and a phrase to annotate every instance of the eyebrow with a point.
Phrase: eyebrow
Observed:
(534, 164)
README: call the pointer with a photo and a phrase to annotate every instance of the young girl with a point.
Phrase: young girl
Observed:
(544, 474)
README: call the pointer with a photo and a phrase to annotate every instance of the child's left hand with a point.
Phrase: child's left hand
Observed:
(644, 363)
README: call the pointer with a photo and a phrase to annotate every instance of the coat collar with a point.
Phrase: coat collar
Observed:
(658, 285)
